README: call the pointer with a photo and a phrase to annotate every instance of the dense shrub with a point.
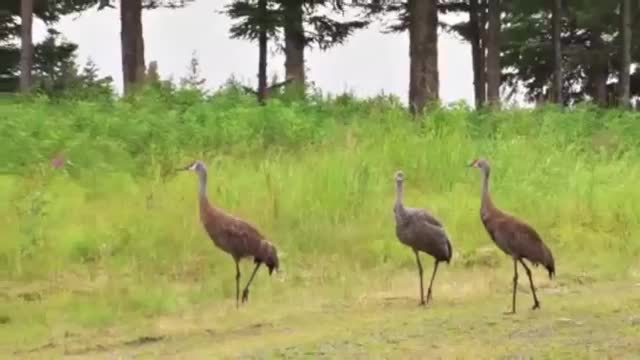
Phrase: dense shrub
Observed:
(315, 176)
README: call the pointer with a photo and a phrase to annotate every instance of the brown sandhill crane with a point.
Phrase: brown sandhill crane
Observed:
(59, 161)
(420, 231)
(513, 236)
(233, 235)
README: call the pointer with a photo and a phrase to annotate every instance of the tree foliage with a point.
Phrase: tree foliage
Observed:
(526, 45)
(56, 71)
(146, 4)
(47, 11)
(590, 36)
(249, 19)
(321, 30)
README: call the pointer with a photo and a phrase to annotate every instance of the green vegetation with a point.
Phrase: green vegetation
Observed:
(112, 244)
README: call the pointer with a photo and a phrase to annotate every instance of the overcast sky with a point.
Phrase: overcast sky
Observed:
(368, 63)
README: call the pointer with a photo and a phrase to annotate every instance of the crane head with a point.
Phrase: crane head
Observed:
(197, 166)
(480, 163)
(399, 176)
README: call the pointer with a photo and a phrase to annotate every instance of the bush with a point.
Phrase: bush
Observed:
(315, 176)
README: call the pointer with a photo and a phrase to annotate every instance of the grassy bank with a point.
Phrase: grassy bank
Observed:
(115, 239)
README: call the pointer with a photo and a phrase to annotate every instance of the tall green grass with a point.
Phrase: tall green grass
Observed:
(315, 177)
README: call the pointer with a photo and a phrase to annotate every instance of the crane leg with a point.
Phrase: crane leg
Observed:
(420, 273)
(515, 286)
(245, 292)
(433, 276)
(237, 283)
(536, 303)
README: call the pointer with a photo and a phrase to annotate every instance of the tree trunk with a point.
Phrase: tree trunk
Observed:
(262, 52)
(26, 49)
(625, 66)
(556, 26)
(477, 53)
(132, 44)
(493, 54)
(599, 68)
(294, 44)
(423, 54)
(483, 49)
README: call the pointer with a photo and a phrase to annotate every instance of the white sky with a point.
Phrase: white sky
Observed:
(368, 63)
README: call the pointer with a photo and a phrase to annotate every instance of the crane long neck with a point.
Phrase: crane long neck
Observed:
(202, 176)
(209, 214)
(485, 203)
(399, 206)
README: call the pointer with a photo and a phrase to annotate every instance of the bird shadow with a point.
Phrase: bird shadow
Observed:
(389, 301)
(249, 330)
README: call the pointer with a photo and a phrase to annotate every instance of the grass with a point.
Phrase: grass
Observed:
(110, 250)
(379, 318)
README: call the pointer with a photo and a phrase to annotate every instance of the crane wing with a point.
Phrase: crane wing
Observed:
(231, 234)
(241, 229)
(424, 215)
(518, 238)
(432, 239)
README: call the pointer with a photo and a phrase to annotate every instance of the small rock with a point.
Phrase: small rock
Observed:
(30, 296)
(569, 321)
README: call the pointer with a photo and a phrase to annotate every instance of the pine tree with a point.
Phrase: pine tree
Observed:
(293, 26)
(131, 36)
(193, 79)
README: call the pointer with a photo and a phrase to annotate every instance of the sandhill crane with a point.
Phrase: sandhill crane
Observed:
(59, 161)
(420, 231)
(232, 235)
(513, 236)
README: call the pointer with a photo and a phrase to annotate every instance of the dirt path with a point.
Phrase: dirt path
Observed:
(578, 321)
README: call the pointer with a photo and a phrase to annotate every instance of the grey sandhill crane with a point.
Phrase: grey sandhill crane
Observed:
(513, 236)
(420, 231)
(232, 235)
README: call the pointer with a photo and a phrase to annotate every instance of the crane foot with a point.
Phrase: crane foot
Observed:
(245, 295)
(536, 306)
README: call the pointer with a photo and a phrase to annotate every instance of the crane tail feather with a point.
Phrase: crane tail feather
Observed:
(550, 263)
(552, 271)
